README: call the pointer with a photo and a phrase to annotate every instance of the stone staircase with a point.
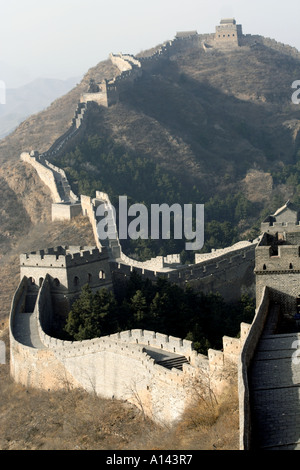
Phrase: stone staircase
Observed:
(175, 362)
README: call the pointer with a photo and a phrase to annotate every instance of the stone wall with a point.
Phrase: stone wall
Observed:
(62, 211)
(116, 366)
(66, 204)
(231, 274)
(251, 337)
(72, 135)
(45, 174)
(279, 227)
(229, 271)
(29, 366)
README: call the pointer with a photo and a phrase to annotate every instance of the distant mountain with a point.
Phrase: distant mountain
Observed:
(13, 76)
(29, 99)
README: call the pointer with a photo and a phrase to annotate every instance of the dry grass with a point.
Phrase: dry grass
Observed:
(39, 420)
(211, 427)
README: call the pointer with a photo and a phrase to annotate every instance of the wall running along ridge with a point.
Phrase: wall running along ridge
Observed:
(106, 365)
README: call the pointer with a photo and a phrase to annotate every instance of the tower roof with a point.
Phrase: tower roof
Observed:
(288, 205)
(228, 21)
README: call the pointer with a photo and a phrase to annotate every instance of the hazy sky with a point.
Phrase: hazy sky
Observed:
(64, 38)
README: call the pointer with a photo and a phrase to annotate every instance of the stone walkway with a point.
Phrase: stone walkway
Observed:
(25, 330)
(274, 382)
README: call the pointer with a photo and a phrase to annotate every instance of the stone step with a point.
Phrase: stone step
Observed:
(176, 362)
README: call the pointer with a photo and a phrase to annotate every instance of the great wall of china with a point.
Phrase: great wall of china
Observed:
(159, 369)
(156, 370)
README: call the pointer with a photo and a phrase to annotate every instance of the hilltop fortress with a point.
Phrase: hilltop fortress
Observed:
(158, 369)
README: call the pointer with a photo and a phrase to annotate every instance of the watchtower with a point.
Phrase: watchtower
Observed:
(228, 33)
(277, 266)
(285, 219)
(69, 268)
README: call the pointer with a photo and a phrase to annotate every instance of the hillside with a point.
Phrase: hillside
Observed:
(211, 127)
(209, 114)
(42, 129)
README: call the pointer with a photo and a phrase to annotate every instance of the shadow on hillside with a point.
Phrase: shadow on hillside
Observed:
(216, 126)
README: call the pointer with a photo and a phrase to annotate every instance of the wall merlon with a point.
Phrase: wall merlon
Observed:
(288, 252)
(33, 259)
(231, 346)
(215, 358)
(245, 327)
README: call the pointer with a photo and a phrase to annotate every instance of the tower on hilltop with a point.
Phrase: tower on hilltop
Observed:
(228, 33)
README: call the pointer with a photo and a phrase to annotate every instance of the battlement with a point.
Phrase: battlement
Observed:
(278, 252)
(124, 62)
(60, 256)
(273, 227)
(105, 95)
(233, 249)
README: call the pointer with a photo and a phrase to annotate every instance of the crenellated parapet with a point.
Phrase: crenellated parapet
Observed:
(67, 256)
